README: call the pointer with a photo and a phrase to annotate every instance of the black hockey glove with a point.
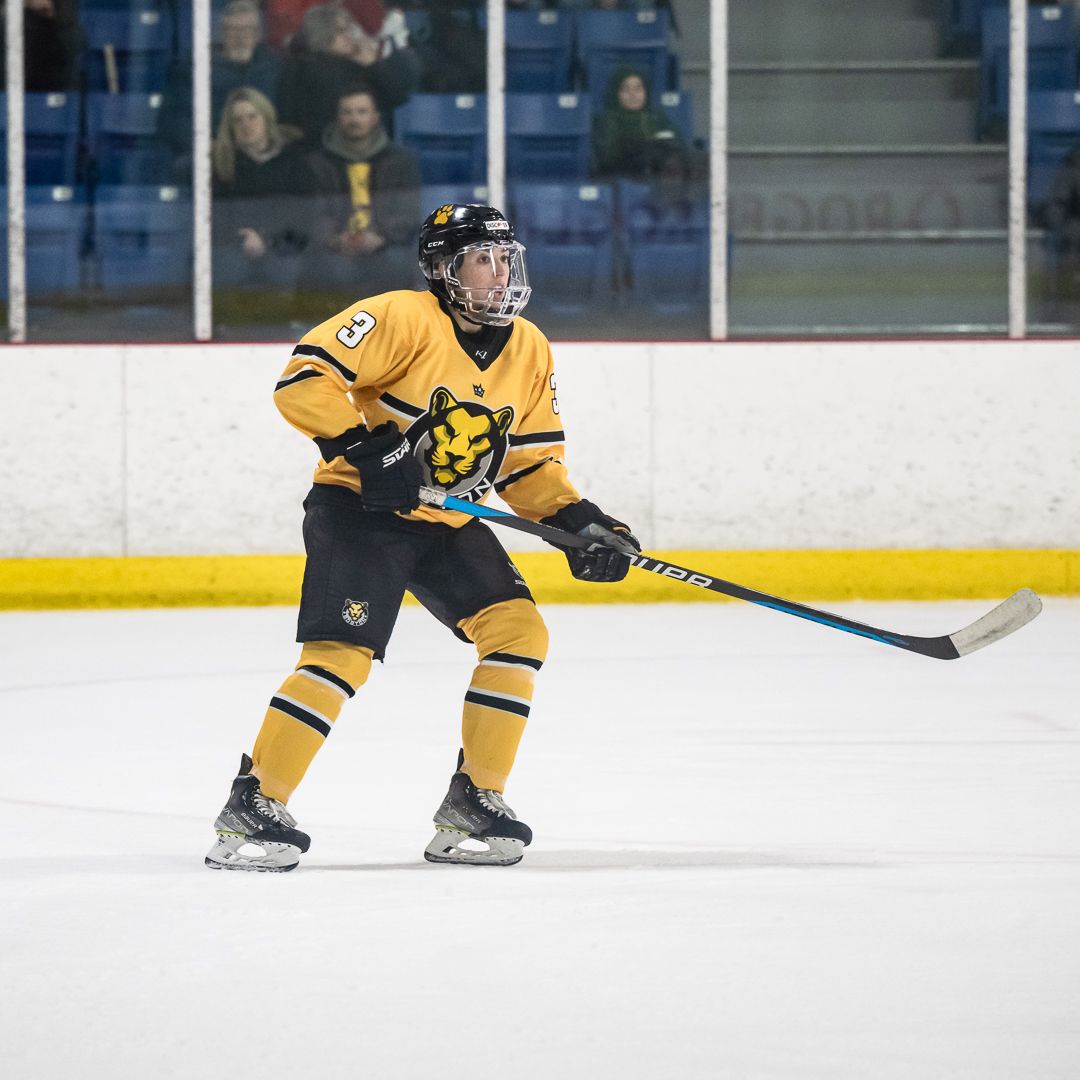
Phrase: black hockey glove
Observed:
(390, 477)
(607, 559)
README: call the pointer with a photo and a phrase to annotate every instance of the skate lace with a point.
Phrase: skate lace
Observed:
(494, 803)
(271, 808)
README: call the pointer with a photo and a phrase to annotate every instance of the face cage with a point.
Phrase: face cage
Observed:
(498, 306)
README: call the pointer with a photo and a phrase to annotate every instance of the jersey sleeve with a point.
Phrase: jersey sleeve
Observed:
(322, 384)
(533, 480)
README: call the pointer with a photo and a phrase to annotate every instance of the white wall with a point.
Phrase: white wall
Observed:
(152, 450)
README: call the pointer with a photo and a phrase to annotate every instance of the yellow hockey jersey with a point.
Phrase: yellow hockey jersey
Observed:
(396, 357)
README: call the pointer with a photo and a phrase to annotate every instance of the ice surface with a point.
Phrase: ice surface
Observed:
(764, 849)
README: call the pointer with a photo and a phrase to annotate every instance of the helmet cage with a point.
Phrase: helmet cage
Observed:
(497, 305)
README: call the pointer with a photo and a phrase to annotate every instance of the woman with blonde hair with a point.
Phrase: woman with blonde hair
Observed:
(263, 186)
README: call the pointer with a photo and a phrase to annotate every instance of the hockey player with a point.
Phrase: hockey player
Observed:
(450, 389)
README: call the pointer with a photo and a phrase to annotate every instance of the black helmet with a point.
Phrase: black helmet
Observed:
(454, 229)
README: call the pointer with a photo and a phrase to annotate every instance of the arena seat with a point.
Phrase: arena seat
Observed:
(143, 236)
(1053, 122)
(51, 123)
(568, 230)
(435, 195)
(608, 39)
(448, 133)
(1051, 57)
(547, 136)
(539, 50)
(122, 139)
(127, 51)
(56, 224)
(668, 248)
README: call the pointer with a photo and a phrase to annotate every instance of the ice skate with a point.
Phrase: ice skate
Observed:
(476, 816)
(255, 832)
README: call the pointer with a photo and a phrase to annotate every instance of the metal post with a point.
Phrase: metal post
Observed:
(718, 150)
(1018, 16)
(201, 180)
(16, 175)
(496, 104)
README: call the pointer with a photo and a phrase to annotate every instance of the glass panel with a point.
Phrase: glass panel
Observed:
(607, 175)
(109, 220)
(326, 137)
(868, 179)
(1053, 195)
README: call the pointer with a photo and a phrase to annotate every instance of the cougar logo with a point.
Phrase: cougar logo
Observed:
(355, 612)
(442, 215)
(461, 444)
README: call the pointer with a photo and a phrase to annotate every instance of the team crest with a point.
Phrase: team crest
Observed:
(460, 444)
(355, 612)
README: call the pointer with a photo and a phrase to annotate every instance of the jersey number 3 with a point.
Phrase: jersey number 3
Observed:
(351, 335)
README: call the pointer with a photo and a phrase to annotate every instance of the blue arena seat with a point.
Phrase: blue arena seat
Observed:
(128, 51)
(961, 23)
(568, 230)
(1053, 130)
(547, 136)
(122, 139)
(608, 39)
(56, 233)
(52, 137)
(433, 196)
(143, 236)
(668, 248)
(448, 133)
(679, 106)
(539, 51)
(1051, 57)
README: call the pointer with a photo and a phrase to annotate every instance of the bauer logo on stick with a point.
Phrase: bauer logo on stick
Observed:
(355, 612)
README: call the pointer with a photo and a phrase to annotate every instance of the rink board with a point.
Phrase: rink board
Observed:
(253, 580)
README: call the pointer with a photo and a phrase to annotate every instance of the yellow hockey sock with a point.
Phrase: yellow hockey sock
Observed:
(511, 641)
(303, 711)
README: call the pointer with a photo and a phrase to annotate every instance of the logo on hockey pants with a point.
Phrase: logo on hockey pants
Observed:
(355, 612)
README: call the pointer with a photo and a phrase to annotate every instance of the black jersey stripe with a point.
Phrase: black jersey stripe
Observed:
(491, 702)
(401, 406)
(516, 658)
(506, 481)
(300, 376)
(538, 438)
(329, 676)
(302, 715)
(321, 354)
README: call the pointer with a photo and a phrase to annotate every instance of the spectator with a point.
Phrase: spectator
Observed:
(631, 137)
(242, 60)
(383, 25)
(52, 41)
(371, 203)
(331, 54)
(263, 188)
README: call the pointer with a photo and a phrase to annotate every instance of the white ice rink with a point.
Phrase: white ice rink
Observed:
(763, 849)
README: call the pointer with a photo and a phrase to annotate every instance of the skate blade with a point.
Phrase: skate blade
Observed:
(500, 851)
(233, 852)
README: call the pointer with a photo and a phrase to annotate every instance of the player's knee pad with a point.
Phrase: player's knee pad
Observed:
(338, 659)
(511, 626)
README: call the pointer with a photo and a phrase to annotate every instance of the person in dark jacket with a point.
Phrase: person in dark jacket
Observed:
(242, 60)
(52, 41)
(631, 137)
(371, 199)
(330, 54)
(263, 193)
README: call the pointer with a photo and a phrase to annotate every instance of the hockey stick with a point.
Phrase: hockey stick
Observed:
(1018, 610)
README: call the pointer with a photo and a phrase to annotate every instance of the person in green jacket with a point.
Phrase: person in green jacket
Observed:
(632, 138)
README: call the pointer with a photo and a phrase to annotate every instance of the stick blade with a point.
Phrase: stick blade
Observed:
(1018, 610)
